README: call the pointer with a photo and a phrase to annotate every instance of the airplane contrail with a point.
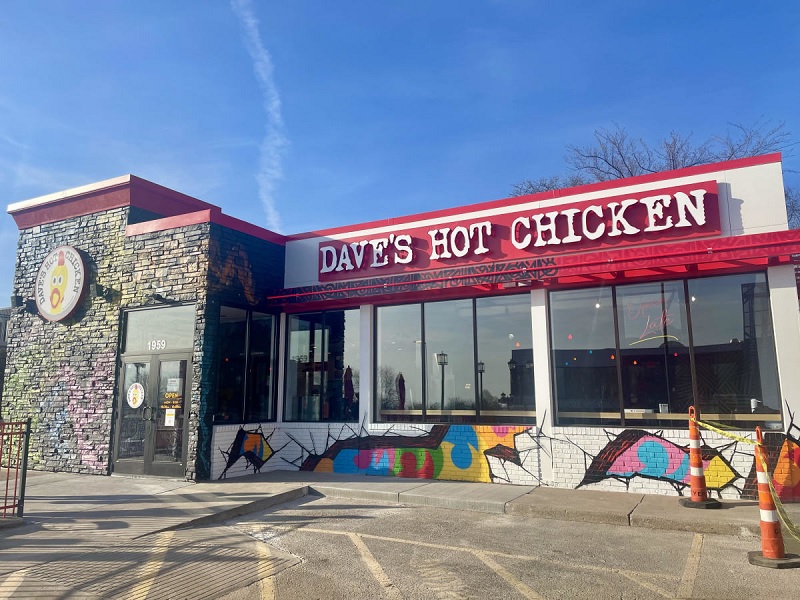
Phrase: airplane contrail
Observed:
(275, 141)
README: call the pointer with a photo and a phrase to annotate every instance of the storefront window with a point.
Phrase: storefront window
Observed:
(399, 362)
(245, 384)
(584, 356)
(734, 349)
(449, 341)
(505, 359)
(654, 352)
(260, 382)
(321, 382)
(642, 354)
(456, 361)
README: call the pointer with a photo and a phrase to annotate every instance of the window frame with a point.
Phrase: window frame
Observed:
(429, 402)
(324, 344)
(274, 349)
(654, 420)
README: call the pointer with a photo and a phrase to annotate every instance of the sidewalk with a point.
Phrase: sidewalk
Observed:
(132, 507)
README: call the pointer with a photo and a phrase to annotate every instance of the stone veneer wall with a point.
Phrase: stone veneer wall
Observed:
(62, 374)
(243, 271)
(174, 264)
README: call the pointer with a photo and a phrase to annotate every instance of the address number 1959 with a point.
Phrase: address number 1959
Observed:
(157, 345)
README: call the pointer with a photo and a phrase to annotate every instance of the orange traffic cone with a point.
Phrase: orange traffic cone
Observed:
(697, 479)
(772, 550)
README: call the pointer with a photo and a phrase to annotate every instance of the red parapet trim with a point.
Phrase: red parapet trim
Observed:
(727, 165)
(75, 206)
(128, 190)
(212, 215)
(249, 229)
(156, 225)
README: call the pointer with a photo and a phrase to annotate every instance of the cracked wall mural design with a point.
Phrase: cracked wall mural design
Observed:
(516, 454)
(638, 453)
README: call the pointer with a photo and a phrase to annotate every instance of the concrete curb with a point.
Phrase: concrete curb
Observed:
(238, 511)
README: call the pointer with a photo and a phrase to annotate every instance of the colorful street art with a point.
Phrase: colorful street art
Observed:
(454, 452)
(783, 460)
(252, 446)
(513, 454)
(638, 453)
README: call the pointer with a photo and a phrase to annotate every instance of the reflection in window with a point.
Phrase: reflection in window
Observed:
(245, 386)
(451, 360)
(399, 362)
(456, 361)
(322, 366)
(231, 370)
(505, 359)
(584, 356)
(654, 350)
(260, 406)
(706, 342)
(734, 348)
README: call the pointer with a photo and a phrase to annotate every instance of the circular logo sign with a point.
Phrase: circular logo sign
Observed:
(60, 283)
(135, 395)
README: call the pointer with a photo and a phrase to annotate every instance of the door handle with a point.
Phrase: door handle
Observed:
(144, 413)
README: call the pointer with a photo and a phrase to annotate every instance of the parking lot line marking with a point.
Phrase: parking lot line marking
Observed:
(147, 573)
(692, 565)
(11, 584)
(510, 579)
(374, 566)
(638, 577)
(265, 585)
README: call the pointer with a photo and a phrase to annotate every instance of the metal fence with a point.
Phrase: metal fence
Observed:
(14, 441)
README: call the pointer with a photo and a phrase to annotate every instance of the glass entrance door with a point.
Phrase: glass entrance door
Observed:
(151, 418)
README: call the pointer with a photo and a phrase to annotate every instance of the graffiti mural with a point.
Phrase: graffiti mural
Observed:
(250, 445)
(516, 455)
(235, 269)
(452, 452)
(639, 453)
(783, 460)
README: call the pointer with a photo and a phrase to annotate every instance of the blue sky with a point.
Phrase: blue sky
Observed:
(309, 114)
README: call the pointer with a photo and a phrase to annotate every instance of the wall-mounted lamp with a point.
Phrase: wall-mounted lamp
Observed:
(100, 291)
(29, 304)
(156, 298)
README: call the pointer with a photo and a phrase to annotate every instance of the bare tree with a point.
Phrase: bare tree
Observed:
(616, 154)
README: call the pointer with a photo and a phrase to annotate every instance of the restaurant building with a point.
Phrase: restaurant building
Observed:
(555, 339)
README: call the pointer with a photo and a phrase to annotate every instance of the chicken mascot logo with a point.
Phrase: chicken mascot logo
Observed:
(58, 285)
